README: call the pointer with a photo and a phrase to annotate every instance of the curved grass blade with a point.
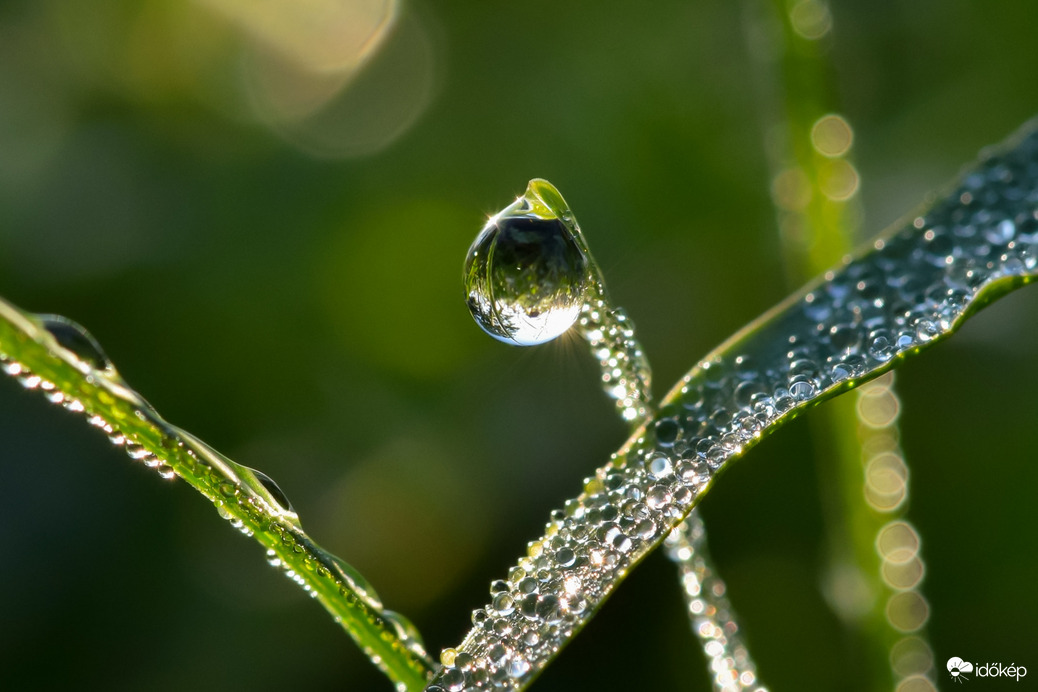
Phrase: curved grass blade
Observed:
(815, 190)
(907, 290)
(713, 619)
(59, 358)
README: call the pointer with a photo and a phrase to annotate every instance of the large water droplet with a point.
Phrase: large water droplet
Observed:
(75, 339)
(527, 272)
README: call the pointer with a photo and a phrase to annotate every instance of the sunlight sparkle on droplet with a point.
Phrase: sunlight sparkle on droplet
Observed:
(529, 277)
(525, 276)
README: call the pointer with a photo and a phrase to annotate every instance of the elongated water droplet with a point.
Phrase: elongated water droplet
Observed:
(527, 273)
(272, 488)
(75, 339)
(405, 630)
(356, 582)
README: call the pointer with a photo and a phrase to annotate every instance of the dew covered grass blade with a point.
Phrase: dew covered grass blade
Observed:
(906, 290)
(65, 363)
(713, 619)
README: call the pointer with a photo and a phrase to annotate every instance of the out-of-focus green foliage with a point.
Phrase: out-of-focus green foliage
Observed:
(290, 291)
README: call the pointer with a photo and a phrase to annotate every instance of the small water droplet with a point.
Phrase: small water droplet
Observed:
(528, 585)
(453, 680)
(447, 657)
(498, 653)
(503, 604)
(518, 668)
(526, 274)
(30, 381)
(550, 610)
(802, 390)
(565, 557)
(657, 496)
(881, 346)
(659, 466)
(75, 339)
(926, 330)
(136, 451)
(667, 431)
(528, 606)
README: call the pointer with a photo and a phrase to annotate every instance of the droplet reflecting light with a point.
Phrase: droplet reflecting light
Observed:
(526, 275)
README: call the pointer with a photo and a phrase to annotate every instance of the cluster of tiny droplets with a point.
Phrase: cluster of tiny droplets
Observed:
(25, 377)
(626, 376)
(709, 610)
(184, 453)
(913, 287)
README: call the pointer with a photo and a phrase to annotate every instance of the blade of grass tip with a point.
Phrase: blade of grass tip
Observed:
(60, 359)
(815, 189)
(909, 288)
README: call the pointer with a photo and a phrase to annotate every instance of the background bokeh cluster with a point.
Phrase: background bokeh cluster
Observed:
(261, 210)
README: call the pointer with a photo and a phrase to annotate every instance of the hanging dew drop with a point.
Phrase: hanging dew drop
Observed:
(75, 339)
(529, 277)
(527, 273)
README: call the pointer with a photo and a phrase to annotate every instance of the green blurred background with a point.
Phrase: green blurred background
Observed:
(268, 242)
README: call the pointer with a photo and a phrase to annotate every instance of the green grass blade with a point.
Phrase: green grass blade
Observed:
(910, 288)
(713, 619)
(58, 358)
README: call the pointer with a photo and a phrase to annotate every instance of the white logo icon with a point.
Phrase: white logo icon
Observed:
(958, 668)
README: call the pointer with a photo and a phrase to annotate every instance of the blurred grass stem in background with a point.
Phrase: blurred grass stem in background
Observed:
(815, 187)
